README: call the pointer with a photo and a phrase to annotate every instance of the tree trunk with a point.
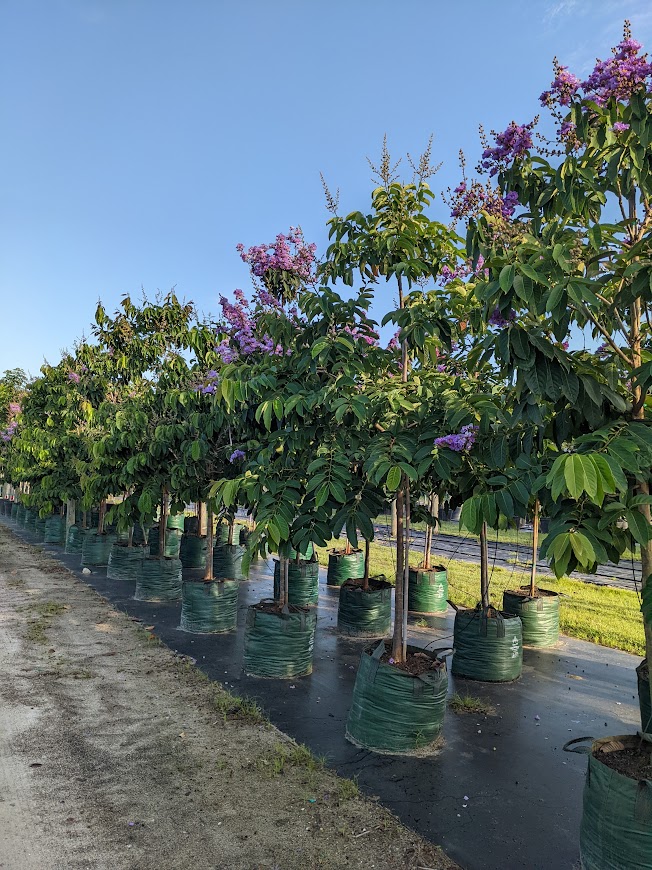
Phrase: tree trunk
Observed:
(208, 573)
(163, 521)
(392, 511)
(199, 519)
(231, 530)
(535, 548)
(397, 639)
(406, 567)
(283, 580)
(70, 516)
(100, 525)
(365, 578)
(484, 567)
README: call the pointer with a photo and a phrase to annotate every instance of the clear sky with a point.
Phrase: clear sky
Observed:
(143, 139)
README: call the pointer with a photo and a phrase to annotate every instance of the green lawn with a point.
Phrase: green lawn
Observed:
(601, 614)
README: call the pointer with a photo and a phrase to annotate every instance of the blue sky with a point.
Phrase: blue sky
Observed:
(143, 139)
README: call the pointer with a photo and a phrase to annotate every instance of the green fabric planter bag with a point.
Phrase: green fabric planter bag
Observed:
(393, 711)
(365, 614)
(428, 590)
(643, 678)
(20, 515)
(227, 562)
(488, 648)
(209, 607)
(303, 582)
(344, 566)
(279, 644)
(221, 536)
(539, 616)
(29, 519)
(55, 530)
(14, 511)
(159, 580)
(176, 521)
(75, 540)
(172, 542)
(191, 525)
(96, 548)
(616, 827)
(193, 551)
(125, 563)
(39, 528)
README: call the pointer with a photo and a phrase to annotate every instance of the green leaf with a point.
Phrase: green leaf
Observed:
(195, 450)
(590, 476)
(574, 475)
(583, 549)
(638, 527)
(506, 278)
(394, 478)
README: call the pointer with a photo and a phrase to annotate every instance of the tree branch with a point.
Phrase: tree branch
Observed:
(605, 334)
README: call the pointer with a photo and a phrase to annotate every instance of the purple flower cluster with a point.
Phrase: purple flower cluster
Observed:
(73, 377)
(8, 433)
(510, 144)
(469, 200)
(395, 341)
(288, 253)
(620, 76)
(14, 408)
(463, 440)
(563, 88)
(619, 127)
(241, 326)
(237, 454)
(497, 318)
(463, 270)
(210, 383)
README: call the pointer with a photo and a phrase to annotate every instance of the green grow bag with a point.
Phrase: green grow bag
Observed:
(20, 515)
(176, 521)
(172, 542)
(616, 827)
(209, 607)
(193, 551)
(75, 540)
(306, 555)
(227, 562)
(96, 548)
(125, 563)
(122, 537)
(344, 566)
(94, 520)
(140, 537)
(303, 582)
(428, 590)
(539, 616)
(29, 519)
(159, 580)
(642, 675)
(55, 530)
(4, 506)
(221, 536)
(243, 537)
(488, 648)
(14, 511)
(279, 644)
(39, 528)
(393, 711)
(191, 525)
(365, 614)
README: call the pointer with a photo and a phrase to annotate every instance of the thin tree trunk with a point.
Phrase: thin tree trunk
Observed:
(365, 578)
(406, 567)
(397, 639)
(348, 549)
(392, 511)
(231, 529)
(130, 537)
(163, 524)
(282, 580)
(100, 525)
(484, 567)
(208, 573)
(199, 519)
(535, 548)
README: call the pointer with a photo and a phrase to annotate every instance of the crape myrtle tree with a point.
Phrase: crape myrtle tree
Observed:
(398, 243)
(576, 256)
(55, 432)
(146, 355)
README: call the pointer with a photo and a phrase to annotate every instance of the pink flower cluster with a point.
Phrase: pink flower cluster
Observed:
(511, 144)
(368, 336)
(460, 442)
(288, 253)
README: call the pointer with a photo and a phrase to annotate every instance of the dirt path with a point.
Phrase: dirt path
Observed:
(116, 754)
